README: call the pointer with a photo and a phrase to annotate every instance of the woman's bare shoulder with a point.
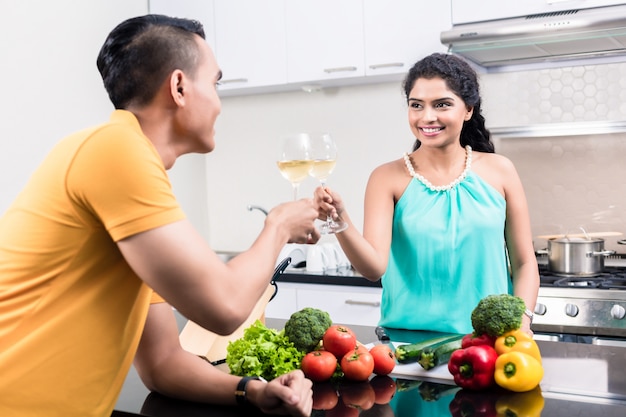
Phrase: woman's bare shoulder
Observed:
(493, 161)
(391, 168)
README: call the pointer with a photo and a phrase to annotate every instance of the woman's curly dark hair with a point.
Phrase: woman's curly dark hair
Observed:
(463, 81)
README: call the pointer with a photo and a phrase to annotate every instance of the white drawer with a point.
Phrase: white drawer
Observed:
(283, 305)
(346, 305)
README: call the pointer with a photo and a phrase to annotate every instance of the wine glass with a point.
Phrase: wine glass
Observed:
(295, 161)
(324, 156)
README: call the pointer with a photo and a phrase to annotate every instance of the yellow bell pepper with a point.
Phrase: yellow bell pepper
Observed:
(518, 371)
(521, 404)
(517, 341)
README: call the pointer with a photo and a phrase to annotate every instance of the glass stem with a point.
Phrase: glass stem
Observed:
(329, 219)
(295, 191)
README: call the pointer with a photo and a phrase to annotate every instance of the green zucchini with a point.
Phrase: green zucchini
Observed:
(412, 352)
(439, 353)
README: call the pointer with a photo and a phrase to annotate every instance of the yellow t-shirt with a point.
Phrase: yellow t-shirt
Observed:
(71, 309)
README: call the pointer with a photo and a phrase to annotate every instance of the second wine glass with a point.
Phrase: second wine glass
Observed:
(324, 156)
(295, 161)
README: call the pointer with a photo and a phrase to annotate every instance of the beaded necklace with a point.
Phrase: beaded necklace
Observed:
(429, 185)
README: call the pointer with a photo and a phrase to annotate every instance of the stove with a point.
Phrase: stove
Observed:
(590, 309)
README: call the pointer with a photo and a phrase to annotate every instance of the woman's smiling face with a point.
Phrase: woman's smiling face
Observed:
(436, 113)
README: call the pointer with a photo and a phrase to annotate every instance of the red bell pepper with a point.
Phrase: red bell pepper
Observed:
(472, 339)
(473, 367)
(468, 403)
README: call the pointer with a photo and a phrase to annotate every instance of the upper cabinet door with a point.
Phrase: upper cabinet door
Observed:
(464, 11)
(200, 10)
(400, 32)
(250, 36)
(324, 39)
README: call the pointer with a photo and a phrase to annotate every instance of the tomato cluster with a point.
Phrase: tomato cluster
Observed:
(342, 351)
(347, 398)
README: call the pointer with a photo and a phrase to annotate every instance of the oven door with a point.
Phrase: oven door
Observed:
(576, 338)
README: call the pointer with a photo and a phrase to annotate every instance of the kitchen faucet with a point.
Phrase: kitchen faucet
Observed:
(261, 209)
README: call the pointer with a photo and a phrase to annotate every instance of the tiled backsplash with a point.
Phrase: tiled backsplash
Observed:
(570, 182)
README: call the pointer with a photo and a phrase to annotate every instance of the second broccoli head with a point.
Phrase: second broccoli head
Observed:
(305, 328)
(497, 314)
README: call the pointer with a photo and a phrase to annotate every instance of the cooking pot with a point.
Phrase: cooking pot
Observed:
(575, 256)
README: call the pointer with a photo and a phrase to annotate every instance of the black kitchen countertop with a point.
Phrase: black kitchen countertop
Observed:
(341, 276)
(580, 380)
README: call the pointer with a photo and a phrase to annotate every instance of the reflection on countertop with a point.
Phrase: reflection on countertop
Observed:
(580, 380)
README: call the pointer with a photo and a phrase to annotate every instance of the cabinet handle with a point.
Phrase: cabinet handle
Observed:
(363, 303)
(339, 69)
(389, 65)
(234, 80)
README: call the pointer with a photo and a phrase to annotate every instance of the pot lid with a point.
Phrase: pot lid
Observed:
(581, 235)
(576, 239)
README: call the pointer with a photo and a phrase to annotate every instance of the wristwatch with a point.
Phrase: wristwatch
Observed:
(529, 314)
(240, 392)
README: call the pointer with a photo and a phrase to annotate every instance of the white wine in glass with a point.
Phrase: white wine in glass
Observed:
(324, 155)
(295, 161)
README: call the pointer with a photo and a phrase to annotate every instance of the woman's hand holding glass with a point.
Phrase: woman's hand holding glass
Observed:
(324, 156)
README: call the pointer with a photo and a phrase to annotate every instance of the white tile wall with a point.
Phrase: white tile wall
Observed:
(570, 182)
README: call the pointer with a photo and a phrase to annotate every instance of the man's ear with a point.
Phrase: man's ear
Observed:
(177, 87)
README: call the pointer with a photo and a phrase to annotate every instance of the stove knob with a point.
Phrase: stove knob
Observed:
(540, 309)
(618, 312)
(571, 310)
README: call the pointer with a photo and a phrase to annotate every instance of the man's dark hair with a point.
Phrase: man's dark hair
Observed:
(142, 51)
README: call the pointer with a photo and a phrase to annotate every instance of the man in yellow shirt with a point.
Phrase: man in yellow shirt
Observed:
(98, 226)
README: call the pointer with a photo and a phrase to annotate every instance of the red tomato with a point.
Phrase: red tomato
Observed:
(339, 340)
(357, 366)
(360, 347)
(325, 396)
(384, 388)
(359, 395)
(384, 359)
(319, 365)
(342, 410)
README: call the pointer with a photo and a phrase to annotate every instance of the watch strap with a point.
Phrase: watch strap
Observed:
(241, 393)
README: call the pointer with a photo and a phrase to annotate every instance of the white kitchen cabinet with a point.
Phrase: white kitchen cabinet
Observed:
(200, 10)
(464, 11)
(284, 304)
(398, 33)
(250, 43)
(278, 45)
(346, 304)
(324, 39)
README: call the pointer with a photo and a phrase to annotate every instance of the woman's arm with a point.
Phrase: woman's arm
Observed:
(518, 235)
(367, 252)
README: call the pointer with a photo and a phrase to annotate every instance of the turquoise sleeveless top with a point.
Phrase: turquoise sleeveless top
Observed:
(447, 252)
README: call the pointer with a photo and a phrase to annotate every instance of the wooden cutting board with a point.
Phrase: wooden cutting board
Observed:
(199, 341)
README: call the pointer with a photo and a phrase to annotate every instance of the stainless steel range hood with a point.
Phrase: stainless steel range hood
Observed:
(551, 37)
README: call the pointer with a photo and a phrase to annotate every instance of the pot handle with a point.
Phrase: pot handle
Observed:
(601, 253)
(622, 242)
(543, 252)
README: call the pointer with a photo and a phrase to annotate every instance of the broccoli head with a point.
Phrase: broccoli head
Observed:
(497, 314)
(305, 328)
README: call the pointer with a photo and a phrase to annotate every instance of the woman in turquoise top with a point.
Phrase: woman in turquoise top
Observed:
(444, 224)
